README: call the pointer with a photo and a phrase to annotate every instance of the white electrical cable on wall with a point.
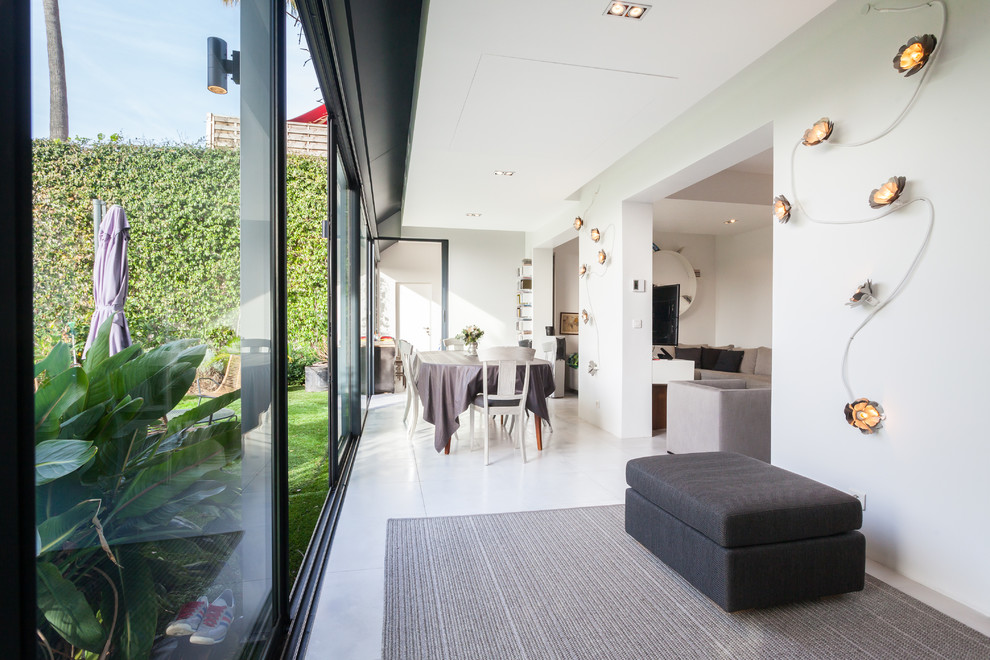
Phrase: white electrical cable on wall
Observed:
(897, 205)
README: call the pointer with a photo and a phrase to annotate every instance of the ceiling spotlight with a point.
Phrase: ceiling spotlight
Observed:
(504, 173)
(781, 209)
(617, 8)
(602, 256)
(887, 193)
(865, 415)
(584, 315)
(863, 295)
(578, 223)
(818, 133)
(730, 221)
(626, 9)
(912, 56)
(473, 215)
(583, 270)
(596, 235)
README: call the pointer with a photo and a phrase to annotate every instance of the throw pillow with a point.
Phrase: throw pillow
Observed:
(748, 364)
(763, 361)
(693, 354)
(729, 361)
(709, 356)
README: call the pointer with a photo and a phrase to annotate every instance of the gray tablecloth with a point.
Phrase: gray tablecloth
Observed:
(448, 381)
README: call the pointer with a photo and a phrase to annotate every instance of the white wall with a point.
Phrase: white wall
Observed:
(567, 298)
(744, 289)
(697, 324)
(925, 473)
(482, 279)
(566, 288)
(408, 261)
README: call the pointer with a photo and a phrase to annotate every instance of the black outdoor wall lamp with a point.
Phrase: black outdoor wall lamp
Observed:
(218, 67)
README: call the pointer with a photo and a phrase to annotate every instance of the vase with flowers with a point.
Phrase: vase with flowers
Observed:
(471, 334)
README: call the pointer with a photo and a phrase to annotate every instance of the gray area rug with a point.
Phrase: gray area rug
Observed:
(570, 584)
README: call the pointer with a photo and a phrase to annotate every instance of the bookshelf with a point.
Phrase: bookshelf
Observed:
(524, 300)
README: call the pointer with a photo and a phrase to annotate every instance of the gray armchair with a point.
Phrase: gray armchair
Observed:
(718, 415)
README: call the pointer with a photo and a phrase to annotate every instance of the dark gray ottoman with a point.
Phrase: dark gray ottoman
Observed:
(743, 532)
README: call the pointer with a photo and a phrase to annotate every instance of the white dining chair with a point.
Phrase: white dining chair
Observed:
(506, 399)
(405, 354)
(410, 371)
(453, 344)
(548, 350)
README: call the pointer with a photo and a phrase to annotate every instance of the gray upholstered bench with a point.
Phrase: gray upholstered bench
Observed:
(743, 532)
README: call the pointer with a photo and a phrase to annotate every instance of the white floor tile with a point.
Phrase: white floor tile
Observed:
(395, 477)
(350, 611)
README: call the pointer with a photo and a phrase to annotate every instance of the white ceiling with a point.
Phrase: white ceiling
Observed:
(704, 217)
(556, 91)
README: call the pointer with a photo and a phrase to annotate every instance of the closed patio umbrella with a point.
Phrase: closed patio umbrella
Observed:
(110, 280)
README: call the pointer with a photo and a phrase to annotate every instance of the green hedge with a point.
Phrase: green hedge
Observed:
(182, 202)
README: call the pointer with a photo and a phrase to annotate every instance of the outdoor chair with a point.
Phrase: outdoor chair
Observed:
(231, 382)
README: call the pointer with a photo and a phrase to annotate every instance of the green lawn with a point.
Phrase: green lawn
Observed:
(308, 468)
(308, 465)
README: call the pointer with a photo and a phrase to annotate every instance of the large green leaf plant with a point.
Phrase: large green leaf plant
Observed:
(115, 474)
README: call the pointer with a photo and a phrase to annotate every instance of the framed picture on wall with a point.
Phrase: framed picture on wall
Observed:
(568, 323)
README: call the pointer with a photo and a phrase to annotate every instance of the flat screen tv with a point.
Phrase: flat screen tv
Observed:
(665, 314)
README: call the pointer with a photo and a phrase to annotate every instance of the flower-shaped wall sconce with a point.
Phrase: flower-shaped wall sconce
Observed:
(596, 235)
(592, 367)
(584, 316)
(602, 256)
(781, 209)
(578, 223)
(865, 415)
(863, 295)
(912, 56)
(887, 193)
(818, 133)
(583, 270)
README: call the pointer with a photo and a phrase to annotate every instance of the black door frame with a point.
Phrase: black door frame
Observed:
(444, 273)
(17, 607)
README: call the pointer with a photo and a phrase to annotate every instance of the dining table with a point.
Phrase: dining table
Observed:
(447, 382)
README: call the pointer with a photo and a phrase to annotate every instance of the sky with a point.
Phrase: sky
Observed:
(138, 68)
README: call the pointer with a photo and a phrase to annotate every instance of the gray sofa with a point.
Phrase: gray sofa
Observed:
(755, 367)
(719, 415)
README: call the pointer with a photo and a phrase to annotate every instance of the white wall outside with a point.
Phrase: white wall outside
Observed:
(415, 262)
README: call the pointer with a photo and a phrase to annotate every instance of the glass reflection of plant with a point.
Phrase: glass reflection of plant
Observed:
(124, 494)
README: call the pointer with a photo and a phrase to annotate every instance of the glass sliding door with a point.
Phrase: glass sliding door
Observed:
(367, 335)
(159, 331)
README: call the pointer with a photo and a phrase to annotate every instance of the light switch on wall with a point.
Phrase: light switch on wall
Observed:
(637, 323)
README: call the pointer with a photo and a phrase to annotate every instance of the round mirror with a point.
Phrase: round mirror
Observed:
(673, 268)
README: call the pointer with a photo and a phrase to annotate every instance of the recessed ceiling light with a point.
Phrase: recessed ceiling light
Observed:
(626, 9)
(730, 221)
(617, 8)
(473, 215)
(504, 172)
